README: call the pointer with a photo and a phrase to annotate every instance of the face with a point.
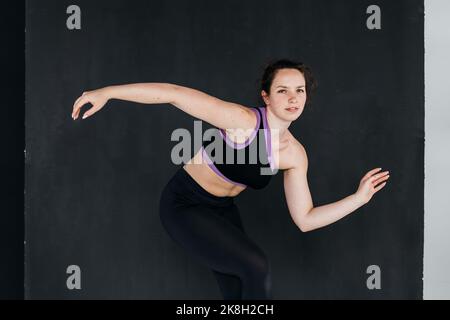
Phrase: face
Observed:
(287, 94)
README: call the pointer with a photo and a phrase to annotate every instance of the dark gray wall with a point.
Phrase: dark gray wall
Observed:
(92, 186)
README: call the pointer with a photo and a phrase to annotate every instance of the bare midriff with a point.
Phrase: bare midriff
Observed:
(200, 171)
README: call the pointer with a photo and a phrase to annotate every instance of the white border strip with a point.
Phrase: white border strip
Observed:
(436, 284)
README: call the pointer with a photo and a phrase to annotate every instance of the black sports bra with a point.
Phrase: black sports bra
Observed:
(245, 164)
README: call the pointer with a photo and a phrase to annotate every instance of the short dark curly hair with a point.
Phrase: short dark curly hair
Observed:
(272, 68)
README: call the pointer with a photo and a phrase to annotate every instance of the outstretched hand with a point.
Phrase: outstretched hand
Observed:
(371, 183)
(97, 98)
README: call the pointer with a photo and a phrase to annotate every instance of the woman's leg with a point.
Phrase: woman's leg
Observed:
(207, 233)
(230, 285)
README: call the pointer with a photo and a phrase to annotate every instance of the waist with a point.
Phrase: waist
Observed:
(206, 178)
(184, 184)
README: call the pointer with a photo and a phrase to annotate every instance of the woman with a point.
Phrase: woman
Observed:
(197, 207)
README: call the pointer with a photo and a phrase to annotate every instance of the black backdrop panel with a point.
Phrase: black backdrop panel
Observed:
(12, 133)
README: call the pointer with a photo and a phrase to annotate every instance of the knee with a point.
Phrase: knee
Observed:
(256, 278)
(257, 267)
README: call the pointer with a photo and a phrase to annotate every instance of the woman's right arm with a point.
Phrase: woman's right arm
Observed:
(219, 113)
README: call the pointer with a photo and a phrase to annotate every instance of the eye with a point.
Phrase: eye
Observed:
(283, 90)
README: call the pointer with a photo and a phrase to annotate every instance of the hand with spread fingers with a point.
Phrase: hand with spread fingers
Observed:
(371, 183)
(98, 98)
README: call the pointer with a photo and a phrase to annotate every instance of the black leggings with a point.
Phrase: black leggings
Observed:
(210, 228)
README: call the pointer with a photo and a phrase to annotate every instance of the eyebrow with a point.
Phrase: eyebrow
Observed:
(286, 87)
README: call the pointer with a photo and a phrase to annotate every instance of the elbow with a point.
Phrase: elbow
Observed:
(303, 223)
(304, 227)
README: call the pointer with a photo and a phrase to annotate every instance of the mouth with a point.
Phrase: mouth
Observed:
(292, 109)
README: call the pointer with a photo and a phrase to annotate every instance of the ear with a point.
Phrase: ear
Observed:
(265, 96)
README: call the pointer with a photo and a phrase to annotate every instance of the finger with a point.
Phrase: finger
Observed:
(374, 179)
(86, 114)
(90, 112)
(371, 172)
(76, 101)
(381, 174)
(74, 105)
(78, 106)
(377, 181)
(381, 186)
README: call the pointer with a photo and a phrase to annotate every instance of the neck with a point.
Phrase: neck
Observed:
(276, 123)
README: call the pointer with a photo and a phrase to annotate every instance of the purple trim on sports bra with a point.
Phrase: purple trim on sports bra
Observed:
(214, 168)
(267, 135)
(236, 145)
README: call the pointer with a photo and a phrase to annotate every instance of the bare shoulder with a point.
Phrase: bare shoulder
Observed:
(297, 157)
(301, 155)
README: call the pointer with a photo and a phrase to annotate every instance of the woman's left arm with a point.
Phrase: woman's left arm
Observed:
(300, 204)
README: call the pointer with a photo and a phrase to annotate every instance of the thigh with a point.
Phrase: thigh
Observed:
(233, 215)
(214, 235)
